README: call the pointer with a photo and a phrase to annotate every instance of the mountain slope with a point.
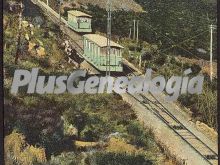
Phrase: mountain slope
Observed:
(116, 4)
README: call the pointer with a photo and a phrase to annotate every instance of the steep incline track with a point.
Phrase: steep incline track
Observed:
(76, 38)
(150, 102)
(173, 123)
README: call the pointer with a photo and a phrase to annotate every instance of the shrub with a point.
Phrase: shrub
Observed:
(188, 100)
(110, 158)
(139, 136)
(19, 152)
(119, 145)
(207, 106)
(65, 159)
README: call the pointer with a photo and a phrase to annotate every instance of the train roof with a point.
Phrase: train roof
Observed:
(101, 40)
(77, 13)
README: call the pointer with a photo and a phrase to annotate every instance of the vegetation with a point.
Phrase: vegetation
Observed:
(159, 25)
(17, 151)
(37, 127)
(161, 42)
(204, 107)
(117, 159)
(128, 5)
(44, 120)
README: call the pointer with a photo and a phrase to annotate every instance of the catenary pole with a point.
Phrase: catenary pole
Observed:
(211, 52)
(109, 22)
(134, 29)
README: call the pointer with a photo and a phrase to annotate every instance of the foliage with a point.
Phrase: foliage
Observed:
(77, 118)
(95, 117)
(69, 158)
(18, 151)
(93, 125)
(119, 145)
(188, 100)
(207, 106)
(139, 136)
(110, 158)
(203, 107)
(44, 116)
(159, 24)
(192, 18)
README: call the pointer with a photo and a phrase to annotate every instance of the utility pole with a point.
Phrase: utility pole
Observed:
(137, 31)
(109, 33)
(134, 29)
(212, 27)
(137, 39)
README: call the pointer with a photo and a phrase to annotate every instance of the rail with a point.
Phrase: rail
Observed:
(212, 156)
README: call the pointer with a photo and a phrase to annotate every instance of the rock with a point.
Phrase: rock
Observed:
(210, 132)
(41, 51)
(40, 42)
(27, 37)
(31, 25)
(38, 21)
(5, 22)
(31, 46)
(116, 134)
(25, 24)
(51, 34)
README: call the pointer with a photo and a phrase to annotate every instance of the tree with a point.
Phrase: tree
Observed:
(77, 118)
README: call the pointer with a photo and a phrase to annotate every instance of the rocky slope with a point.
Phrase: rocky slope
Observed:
(128, 5)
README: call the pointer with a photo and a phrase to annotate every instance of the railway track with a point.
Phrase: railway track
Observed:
(76, 39)
(149, 101)
(174, 124)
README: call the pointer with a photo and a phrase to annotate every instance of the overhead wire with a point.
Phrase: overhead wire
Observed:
(184, 41)
(175, 45)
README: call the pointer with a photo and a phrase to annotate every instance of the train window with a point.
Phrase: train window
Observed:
(97, 50)
(82, 20)
(117, 52)
(89, 45)
(85, 43)
(112, 51)
(103, 62)
(94, 49)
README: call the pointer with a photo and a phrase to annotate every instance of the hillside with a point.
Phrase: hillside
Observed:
(127, 5)
(65, 129)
